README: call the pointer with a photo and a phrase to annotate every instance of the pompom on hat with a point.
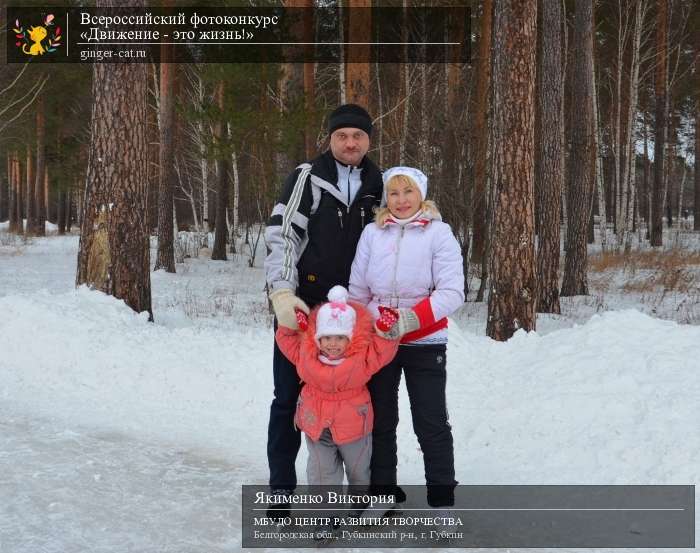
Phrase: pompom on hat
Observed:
(336, 318)
(416, 175)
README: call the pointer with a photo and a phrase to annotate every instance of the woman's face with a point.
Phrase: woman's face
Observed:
(402, 198)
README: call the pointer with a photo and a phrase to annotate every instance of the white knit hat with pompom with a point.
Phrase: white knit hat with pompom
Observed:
(336, 318)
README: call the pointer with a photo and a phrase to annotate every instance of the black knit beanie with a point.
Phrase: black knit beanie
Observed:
(350, 115)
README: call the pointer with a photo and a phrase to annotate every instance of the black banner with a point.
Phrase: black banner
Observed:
(482, 516)
(239, 35)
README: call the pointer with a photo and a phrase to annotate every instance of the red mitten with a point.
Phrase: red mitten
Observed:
(387, 318)
(302, 319)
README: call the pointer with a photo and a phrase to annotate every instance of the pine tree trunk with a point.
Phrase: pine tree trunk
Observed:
(69, 209)
(235, 219)
(309, 104)
(11, 188)
(480, 134)
(38, 220)
(219, 250)
(357, 72)
(114, 238)
(513, 288)
(165, 258)
(599, 177)
(342, 83)
(18, 195)
(660, 93)
(4, 188)
(696, 207)
(379, 136)
(39, 215)
(404, 87)
(549, 160)
(647, 203)
(310, 83)
(203, 163)
(582, 159)
(405, 111)
(669, 161)
(46, 197)
(426, 159)
(61, 213)
(29, 194)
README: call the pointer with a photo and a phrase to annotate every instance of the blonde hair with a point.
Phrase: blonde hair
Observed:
(426, 206)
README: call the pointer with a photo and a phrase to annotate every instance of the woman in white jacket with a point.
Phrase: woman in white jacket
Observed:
(409, 260)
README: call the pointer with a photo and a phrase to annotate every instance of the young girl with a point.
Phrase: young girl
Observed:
(335, 356)
(410, 260)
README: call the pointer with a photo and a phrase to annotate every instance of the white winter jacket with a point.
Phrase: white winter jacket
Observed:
(418, 265)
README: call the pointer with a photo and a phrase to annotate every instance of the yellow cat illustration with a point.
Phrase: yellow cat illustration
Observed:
(36, 35)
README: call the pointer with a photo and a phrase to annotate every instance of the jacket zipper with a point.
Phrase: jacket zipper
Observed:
(362, 215)
(396, 262)
(340, 218)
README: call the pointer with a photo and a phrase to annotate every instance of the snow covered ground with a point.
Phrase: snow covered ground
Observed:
(121, 435)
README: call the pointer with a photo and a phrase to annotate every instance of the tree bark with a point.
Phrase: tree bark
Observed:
(4, 189)
(645, 204)
(549, 160)
(696, 207)
(660, 94)
(219, 250)
(45, 189)
(39, 214)
(61, 213)
(165, 258)
(18, 195)
(12, 193)
(599, 177)
(357, 72)
(29, 194)
(480, 134)
(310, 83)
(513, 289)
(114, 238)
(69, 209)
(582, 159)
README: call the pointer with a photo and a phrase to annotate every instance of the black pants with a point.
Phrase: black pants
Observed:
(424, 367)
(283, 439)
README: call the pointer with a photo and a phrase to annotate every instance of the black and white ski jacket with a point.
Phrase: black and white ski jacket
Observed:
(313, 231)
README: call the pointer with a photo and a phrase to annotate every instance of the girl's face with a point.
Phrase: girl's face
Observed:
(333, 347)
(402, 198)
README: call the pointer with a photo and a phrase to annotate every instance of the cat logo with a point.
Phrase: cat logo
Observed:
(31, 40)
(311, 278)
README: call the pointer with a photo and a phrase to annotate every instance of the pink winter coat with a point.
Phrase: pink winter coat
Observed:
(336, 396)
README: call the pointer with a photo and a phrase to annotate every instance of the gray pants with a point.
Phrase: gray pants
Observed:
(326, 460)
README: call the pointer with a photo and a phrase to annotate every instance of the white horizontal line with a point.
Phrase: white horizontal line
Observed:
(478, 509)
(282, 43)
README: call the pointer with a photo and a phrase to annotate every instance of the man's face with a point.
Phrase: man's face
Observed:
(349, 145)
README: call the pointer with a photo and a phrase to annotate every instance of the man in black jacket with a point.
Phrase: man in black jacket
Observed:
(312, 236)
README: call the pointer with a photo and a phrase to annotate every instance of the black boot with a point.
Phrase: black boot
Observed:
(281, 507)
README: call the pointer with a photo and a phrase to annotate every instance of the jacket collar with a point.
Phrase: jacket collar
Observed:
(421, 221)
(324, 174)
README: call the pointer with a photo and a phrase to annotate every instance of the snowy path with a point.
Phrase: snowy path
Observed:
(65, 491)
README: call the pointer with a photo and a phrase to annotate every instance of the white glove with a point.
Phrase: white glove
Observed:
(283, 303)
(407, 322)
